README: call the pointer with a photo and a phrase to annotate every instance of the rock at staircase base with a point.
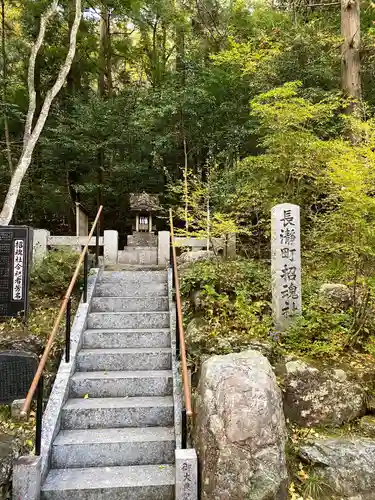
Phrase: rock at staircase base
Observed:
(240, 429)
(346, 467)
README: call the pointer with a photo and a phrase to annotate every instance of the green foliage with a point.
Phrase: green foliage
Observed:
(234, 305)
(318, 332)
(53, 274)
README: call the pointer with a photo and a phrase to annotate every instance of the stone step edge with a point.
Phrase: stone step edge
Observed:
(111, 374)
(113, 435)
(92, 478)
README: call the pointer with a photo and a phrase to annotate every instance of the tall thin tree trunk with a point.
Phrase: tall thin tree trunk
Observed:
(180, 54)
(350, 53)
(186, 191)
(105, 86)
(5, 89)
(32, 134)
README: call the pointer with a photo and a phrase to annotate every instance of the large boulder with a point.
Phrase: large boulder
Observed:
(240, 429)
(335, 295)
(320, 396)
(345, 466)
(187, 258)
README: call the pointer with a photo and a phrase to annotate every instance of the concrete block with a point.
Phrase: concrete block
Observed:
(40, 244)
(16, 409)
(163, 248)
(231, 246)
(138, 255)
(110, 247)
(186, 474)
(27, 478)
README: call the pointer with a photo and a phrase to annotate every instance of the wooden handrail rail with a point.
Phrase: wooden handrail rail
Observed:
(43, 360)
(185, 378)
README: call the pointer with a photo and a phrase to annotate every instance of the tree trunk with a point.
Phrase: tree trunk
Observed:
(5, 89)
(32, 134)
(105, 88)
(350, 53)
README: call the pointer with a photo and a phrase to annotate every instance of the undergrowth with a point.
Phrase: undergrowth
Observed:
(49, 281)
(230, 305)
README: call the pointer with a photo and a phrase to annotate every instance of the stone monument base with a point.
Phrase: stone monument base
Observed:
(142, 239)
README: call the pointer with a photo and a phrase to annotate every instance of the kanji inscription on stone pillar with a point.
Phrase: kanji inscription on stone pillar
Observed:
(285, 264)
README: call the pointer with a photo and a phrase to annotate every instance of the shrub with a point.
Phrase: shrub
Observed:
(53, 274)
(234, 305)
(232, 278)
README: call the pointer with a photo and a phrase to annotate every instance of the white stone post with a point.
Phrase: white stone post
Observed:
(286, 264)
(110, 251)
(186, 474)
(231, 246)
(27, 478)
(163, 248)
(40, 244)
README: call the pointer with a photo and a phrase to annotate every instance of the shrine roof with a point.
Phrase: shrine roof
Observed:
(144, 201)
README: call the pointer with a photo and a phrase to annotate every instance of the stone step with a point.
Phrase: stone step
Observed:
(106, 413)
(142, 482)
(119, 289)
(117, 384)
(135, 267)
(113, 447)
(134, 276)
(128, 304)
(96, 360)
(122, 338)
(128, 320)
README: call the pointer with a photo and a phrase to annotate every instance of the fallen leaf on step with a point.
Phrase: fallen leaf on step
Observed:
(86, 396)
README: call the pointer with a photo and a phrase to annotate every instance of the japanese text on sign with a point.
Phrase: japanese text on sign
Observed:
(18, 262)
(288, 272)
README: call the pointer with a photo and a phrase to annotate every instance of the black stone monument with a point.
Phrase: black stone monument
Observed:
(15, 261)
(17, 370)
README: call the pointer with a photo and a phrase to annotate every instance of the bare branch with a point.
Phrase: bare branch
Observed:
(29, 145)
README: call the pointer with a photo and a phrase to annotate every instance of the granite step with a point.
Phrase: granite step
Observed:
(116, 384)
(131, 289)
(93, 360)
(126, 338)
(141, 482)
(106, 413)
(113, 447)
(127, 320)
(128, 304)
(141, 277)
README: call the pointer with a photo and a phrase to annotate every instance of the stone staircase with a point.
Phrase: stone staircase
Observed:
(117, 437)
